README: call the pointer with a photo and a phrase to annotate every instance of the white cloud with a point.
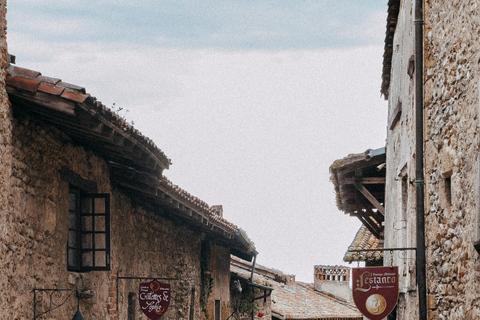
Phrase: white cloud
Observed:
(253, 130)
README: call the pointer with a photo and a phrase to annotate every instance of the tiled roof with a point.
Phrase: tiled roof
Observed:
(393, 9)
(199, 205)
(301, 301)
(294, 300)
(359, 182)
(352, 160)
(262, 275)
(66, 98)
(135, 161)
(364, 240)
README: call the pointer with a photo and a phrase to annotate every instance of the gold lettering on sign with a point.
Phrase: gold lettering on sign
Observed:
(370, 280)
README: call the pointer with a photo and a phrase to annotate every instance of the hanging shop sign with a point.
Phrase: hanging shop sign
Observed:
(375, 290)
(154, 298)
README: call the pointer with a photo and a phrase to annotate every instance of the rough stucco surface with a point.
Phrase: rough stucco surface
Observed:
(451, 119)
(35, 228)
(399, 188)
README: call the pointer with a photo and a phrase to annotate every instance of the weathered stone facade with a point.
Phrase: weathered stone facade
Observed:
(451, 157)
(399, 226)
(143, 244)
(452, 163)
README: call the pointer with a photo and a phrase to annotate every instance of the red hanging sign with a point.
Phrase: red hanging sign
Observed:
(375, 291)
(154, 298)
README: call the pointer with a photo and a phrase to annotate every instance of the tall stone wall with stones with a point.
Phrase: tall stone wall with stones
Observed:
(220, 268)
(451, 157)
(399, 225)
(5, 154)
(5, 121)
(34, 230)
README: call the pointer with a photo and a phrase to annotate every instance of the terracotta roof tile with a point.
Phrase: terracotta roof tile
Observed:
(21, 83)
(23, 72)
(44, 87)
(48, 80)
(301, 301)
(72, 87)
(78, 97)
(364, 240)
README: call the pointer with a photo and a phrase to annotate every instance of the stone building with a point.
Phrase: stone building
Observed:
(86, 214)
(451, 165)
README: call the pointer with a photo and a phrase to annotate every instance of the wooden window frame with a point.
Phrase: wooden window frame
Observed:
(84, 254)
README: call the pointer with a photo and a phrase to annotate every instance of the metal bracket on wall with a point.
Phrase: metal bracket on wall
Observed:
(382, 250)
(391, 250)
(50, 299)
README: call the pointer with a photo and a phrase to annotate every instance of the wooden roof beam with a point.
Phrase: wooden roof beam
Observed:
(370, 225)
(363, 180)
(370, 197)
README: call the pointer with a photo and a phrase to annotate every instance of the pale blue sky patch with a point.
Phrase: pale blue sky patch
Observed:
(221, 24)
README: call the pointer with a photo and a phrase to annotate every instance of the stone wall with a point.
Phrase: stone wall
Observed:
(399, 188)
(451, 157)
(35, 229)
(452, 162)
(5, 161)
(220, 268)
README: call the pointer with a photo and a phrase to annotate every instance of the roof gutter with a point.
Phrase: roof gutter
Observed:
(419, 170)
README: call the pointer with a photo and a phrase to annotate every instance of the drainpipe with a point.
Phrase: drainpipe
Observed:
(419, 175)
(251, 276)
(253, 267)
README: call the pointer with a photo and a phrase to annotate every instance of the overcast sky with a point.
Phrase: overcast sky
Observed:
(252, 100)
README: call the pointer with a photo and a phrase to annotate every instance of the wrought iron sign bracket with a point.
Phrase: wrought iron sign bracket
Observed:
(56, 299)
(381, 250)
(391, 250)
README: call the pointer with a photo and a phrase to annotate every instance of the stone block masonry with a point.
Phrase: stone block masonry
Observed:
(35, 229)
(451, 157)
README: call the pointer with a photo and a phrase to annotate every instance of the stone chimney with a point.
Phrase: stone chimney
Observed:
(218, 209)
(290, 278)
(334, 281)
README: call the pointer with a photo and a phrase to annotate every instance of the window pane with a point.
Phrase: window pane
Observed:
(100, 259)
(72, 198)
(86, 205)
(100, 223)
(72, 220)
(72, 239)
(87, 241)
(87, 259)
(87, 223)
(71, 257)
(100, 241)
(99, 205)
